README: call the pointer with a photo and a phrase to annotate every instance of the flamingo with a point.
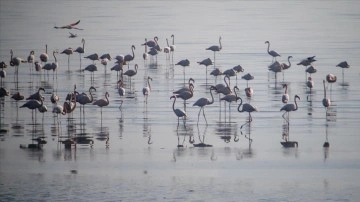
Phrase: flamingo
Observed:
(69, 51)
(247, 108)
(216, 72)
(178, 112)
(91, 68)
(206, 62)
(72, 35)
(4, 92)
(80, 50)
(18, 96)
(38, 66)
(151, 43)
(146, 90)
(343, 65)
(202, 102)
(121, 88)
(231, 97)
(2, 72)
(247, 77)
(331, 78)
(44, 56)
(185, 95)
(145, 54)
(249, 92)
(84, 99)
(16, 61)
(306, 62)
(285, 66)
(130, 73)
(275, 67)
(285, 97)
(221, 88)
(128, 58)
(172, 46)
(54, 98)
(183, 63)
(30, 59)
(102, 103)
(33, 104)
(290, 107)
(37, 96)
(326, 101)
(105, 56)
(117, 68)
(69, 26)
(93, 57)
(215, 48)
(273, 53)
(52, 66)
(167, 50)
(191, 81)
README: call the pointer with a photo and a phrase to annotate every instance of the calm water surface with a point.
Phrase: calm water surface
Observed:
(140, 152)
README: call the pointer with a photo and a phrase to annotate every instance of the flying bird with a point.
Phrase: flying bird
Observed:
(69, 26)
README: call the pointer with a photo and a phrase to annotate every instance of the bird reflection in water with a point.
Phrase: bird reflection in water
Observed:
(146, 125)
(202, 138)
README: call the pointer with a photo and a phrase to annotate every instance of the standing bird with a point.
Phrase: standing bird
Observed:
(16, 61)
(285, 97)
(93, 57)
(178, 112)
(102, 103)
(2, 72)
(84, 99)
(172, 47)
(52, 66)
(273, 53)
(331, 78)
(167, 50)
(44, 56)
(130, 73)
(30, 60)
(128, 58)
(206, 62)
(326, 101)
(289, 107)
(4, 92)
(202, 102)
(215, 48)
(91, 68)
(33, 104)
(285, 66)
(306, 62)
(37, 96)
(147, 89)
(231, 97)
(151, 43)
(247, 108)
(17, 96)
(145, 54)
(247, 77)
(80, 50)
(185, 95)
(190, 82)
(121, 89)
(343, 65)
(183, 63)
(68, 52)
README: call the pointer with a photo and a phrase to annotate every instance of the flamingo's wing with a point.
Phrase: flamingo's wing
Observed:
(73, 24)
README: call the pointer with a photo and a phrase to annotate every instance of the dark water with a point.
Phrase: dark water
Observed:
(140, 152)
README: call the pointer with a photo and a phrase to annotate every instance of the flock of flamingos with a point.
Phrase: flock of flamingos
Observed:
(36, 100)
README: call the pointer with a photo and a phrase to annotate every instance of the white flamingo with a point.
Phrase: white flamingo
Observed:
(285, 97)
(44, 56)
(121, 89)
(147, 89)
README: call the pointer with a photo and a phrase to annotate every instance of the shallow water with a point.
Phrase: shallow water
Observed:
(140, 152)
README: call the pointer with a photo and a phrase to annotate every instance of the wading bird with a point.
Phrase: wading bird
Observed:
(80, 50)
(215, 48)
(273, 53)
(178, 112)
(289, 107)
(69, 26)
(102, 103)
(246, 108)
(202, 102)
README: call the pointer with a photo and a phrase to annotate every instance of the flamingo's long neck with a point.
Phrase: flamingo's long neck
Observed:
(84, 45)
(167, 42)
(107, 97)
(148, 81)
(289, 61)
(46, 48)
(54, 56)
(173, 41)
(174, 103)
(286, 89)
(132, 48)
(241, 101)
(296, 105)
(212, 97)
(220, 43)
(268, 47)
(91, 96)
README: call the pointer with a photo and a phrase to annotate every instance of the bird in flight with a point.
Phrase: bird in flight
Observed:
(70, 26)
(72, 35)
